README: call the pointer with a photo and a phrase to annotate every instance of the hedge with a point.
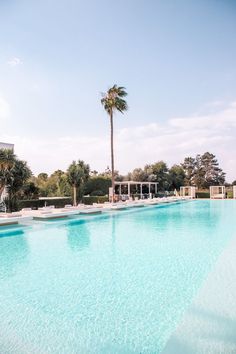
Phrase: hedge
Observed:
(94, 199)
(229, 194)
(39, 203)
(203, 195)
(59, 203)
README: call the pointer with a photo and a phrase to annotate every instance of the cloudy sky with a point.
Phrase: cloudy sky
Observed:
(176, 59)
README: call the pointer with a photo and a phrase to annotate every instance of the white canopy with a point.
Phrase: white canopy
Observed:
(188, 191)
(217, 192)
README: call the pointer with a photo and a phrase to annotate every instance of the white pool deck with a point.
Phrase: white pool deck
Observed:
(209, 325)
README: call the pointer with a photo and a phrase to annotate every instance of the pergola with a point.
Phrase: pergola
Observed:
(217, 192)
(234, 192)
(188, 191)
(129, 184)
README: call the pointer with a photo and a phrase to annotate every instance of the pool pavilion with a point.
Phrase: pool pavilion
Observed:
(134, 187)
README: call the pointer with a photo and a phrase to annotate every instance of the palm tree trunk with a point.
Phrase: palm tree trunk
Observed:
(112, 158)
(1, 190)
(74, 195)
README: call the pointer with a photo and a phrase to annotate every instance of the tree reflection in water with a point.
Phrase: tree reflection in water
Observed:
(78, 236)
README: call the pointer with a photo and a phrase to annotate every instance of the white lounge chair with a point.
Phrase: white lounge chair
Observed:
(12, 218)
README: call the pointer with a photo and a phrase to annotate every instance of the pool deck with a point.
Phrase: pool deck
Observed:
(49, 213)
(209, 325)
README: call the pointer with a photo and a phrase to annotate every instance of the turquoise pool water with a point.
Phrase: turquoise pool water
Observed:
(118, 283)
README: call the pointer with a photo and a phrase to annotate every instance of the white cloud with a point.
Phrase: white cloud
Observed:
(216, 103)
(14, 61)
(4, 109)
(171, 141)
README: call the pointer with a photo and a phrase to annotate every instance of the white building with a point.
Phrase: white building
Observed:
(10, 147)
(6, 146)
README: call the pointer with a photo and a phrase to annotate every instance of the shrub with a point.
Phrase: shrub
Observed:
(230, 194)
(39, 203)
(97, 193)
(203, 195)
(89, 200)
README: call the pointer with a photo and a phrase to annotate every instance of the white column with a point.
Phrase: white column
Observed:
(155, 188)
(141, 190)
(129, 189)
(234, 192)
(120, 189)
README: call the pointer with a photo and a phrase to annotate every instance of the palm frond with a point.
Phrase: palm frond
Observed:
(113, 99)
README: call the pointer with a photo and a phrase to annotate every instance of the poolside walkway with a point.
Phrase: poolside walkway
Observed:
(209, 326)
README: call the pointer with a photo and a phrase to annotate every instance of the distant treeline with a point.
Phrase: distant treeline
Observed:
(78, 180)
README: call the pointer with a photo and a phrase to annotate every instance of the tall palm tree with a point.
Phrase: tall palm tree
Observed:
(113, 100)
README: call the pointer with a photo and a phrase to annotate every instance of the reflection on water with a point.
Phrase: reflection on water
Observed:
(14, 251)
(113, 236)
(13, 230)
(78, 236)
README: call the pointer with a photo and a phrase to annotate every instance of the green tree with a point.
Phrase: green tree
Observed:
(29, 190)
(113, 100)
(160, 171)
(189, 167)
(203, 171)
(199, 173)
(149, 174)
(43, 176)
(98, 185)
(176, 177)
(139, 175)
(55, 185)
(60, 181)
(64, 187)
(77, 174)
(213, 175)
(106, 173)
(93, 173)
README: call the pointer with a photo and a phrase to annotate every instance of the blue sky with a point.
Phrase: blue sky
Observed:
(176, 59)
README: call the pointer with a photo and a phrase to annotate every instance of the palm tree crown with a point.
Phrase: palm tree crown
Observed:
(7, 159)
(113, 99)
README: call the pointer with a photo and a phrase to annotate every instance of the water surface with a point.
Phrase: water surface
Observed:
(111, 284)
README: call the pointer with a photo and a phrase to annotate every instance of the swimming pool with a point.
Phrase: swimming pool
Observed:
(116, 283)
